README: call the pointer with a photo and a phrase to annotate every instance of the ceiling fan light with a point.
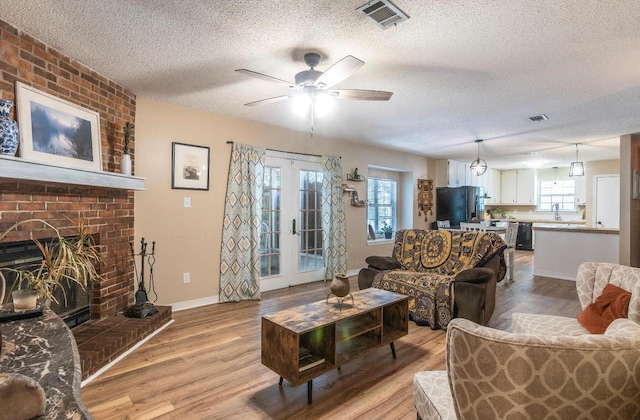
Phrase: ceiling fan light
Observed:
(576, 169)
(322, 104)
(301, 104)
(478, 167)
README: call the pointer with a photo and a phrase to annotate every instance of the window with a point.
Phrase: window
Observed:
(270, 228)
(562, 193)
(382, 204)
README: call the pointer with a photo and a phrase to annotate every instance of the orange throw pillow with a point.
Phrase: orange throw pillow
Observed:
(612, 304)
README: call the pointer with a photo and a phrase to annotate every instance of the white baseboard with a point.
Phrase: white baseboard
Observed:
(210, 300)
(125, 354)
(195, 303)
(552, 275)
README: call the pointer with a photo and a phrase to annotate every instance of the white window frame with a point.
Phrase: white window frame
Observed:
(559, 194)
(372, 204)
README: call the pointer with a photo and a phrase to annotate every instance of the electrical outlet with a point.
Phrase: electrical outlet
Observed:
(186, 278)
(187, 202)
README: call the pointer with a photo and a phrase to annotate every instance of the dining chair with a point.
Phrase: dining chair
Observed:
(478, 227)
(510, 252)
(443, 224)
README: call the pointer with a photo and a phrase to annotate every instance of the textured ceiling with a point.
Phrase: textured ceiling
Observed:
(459, 70)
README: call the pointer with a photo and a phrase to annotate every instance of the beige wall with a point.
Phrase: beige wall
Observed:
(188, 239)
(629, 207)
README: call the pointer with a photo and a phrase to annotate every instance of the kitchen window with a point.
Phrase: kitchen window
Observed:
(381, 210)
(562, 193)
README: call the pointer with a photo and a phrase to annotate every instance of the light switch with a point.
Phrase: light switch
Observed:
(187, 202)
(186, 278)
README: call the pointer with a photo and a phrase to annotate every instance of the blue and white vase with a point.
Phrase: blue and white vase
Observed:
(8, 130)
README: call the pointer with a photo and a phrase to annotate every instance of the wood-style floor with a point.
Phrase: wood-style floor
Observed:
(206, 365)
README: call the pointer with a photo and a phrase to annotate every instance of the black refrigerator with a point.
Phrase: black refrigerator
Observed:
(459, 204)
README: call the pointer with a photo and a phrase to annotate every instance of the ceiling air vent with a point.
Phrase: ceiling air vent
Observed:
(383, 13)
(538, 118)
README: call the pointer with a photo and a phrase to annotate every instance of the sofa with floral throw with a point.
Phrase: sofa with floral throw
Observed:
(446, 274)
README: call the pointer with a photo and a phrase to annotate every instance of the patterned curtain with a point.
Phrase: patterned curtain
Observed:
(334, 235)
(240, 259)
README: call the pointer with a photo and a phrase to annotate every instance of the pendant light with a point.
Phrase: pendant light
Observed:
(555, 175)
(577, 167)
(478, 166)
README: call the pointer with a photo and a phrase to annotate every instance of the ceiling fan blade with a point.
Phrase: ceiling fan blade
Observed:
(362, 95)
(268, 100)
(265, 77)
(339, 71)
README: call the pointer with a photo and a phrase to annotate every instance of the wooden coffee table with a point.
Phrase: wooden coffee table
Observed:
(331, 336)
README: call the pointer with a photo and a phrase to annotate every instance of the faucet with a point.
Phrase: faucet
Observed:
(556, 211)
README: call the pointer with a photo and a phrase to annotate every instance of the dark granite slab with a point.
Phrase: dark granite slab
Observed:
(44, 349)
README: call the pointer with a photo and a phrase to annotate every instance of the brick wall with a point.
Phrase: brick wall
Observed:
(109, 212)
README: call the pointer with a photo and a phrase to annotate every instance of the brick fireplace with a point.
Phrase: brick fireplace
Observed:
(109, 216)
(109, 212)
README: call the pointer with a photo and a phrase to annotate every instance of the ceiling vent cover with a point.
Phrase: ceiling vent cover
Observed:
(538, 118)
(383, 13)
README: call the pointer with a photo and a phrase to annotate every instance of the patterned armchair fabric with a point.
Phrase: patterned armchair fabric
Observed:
(430, 262)
(494, 374)
(591, 279)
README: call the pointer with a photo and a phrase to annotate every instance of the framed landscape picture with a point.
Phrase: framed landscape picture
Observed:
(189, 167)
(55, 131)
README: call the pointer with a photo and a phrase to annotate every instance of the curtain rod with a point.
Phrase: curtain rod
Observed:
(285, 151)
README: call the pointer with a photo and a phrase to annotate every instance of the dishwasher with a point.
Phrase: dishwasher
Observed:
(524, 240)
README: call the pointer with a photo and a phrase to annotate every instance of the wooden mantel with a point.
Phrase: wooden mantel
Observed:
(18, 168)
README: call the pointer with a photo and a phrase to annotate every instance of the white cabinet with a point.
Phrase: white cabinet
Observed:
(581, 189)
(518, 187)
(526, 186)
(508, 186)
(477, 181)
(464, 174)
(452, 173)
(492, 186)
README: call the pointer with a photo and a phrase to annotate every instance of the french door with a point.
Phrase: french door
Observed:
(291, 231)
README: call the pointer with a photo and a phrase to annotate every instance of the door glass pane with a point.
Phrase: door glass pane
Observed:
(310, 240)
(270, 228)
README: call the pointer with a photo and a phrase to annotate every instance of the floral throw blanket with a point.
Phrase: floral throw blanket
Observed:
(430, 260)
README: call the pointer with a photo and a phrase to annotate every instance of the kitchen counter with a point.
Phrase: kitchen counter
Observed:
(582, 229)
(545, 221)
(561, 249)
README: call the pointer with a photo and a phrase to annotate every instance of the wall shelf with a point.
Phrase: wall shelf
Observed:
(18, 168)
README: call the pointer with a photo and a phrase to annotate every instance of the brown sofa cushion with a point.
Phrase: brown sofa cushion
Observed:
(612, 304)
(382, 263)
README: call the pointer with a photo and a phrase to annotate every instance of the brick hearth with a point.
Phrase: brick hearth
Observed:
(102, 341)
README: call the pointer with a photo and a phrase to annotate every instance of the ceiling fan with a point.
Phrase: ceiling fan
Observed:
(313, 83)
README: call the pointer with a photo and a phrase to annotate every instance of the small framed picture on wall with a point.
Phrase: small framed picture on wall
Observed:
(189, 167)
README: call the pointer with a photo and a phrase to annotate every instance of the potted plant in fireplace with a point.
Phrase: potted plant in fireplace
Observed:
(64, 260)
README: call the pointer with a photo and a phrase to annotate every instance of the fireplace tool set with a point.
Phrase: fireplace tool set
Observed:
(143, 307)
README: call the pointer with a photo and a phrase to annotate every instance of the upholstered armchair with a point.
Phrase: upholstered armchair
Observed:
(493, 374)
(591, 280)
